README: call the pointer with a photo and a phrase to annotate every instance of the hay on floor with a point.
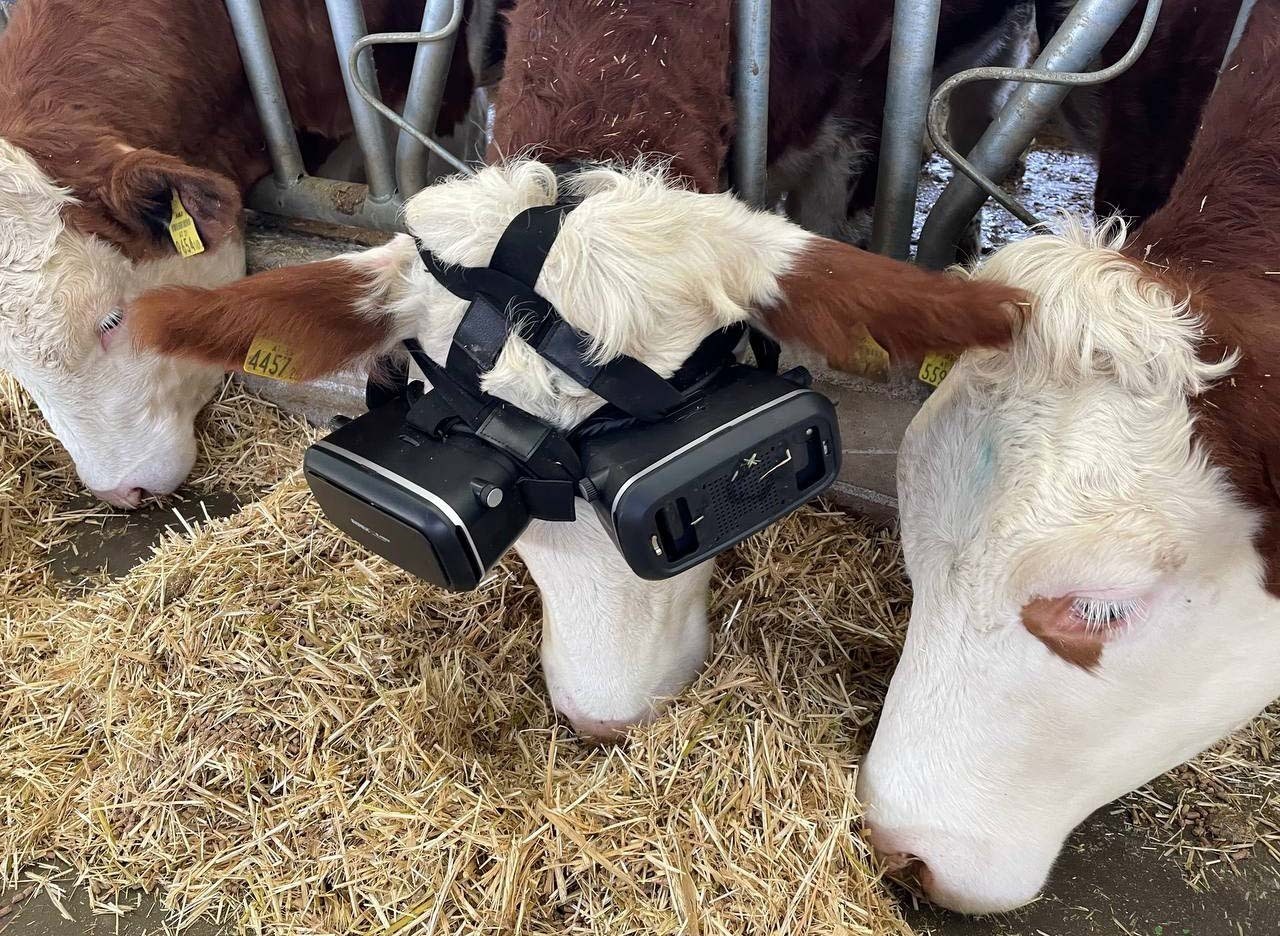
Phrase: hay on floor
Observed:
(244, 446)
(266, 724)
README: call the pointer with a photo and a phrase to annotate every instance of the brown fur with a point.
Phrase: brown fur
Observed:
(1143, 122)
(835, 290)
(1218, 236)
(1043, 618)
(82, 83)
(310, 309)
(602, 79)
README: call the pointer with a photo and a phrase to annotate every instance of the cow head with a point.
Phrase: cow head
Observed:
(71, 257)
(646, 269)
(1090, 606)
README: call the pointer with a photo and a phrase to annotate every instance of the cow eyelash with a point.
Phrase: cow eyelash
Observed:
(113, 319)
(1098, 615)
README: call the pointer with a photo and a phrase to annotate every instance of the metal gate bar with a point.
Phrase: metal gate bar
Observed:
(911, 54)
(250, 28)
(1084, 32)
(293, 193)
(752, 25)
(426, 90)
(346, 19)
(1242, 20)
(432, 46)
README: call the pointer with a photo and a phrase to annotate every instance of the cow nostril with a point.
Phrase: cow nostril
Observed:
(125, 497)
(908, 870)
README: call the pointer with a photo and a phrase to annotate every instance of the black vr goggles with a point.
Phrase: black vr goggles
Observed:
(443, 482)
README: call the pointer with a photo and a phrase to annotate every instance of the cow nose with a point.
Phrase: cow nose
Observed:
(128, 498)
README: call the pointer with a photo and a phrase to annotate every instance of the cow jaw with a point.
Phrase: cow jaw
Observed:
(1089, 604)
(125, 417)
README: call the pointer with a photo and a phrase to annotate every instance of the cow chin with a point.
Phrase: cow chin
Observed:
(615, 648)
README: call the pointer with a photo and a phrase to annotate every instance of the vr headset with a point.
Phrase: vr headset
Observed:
(443, 481)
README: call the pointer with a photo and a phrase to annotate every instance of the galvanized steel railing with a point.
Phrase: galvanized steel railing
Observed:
(398, 170)
(393, 171)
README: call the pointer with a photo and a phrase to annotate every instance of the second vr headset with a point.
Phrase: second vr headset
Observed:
(442, 482)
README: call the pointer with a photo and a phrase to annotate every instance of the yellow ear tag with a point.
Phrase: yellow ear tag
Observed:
(269, 359)
(935, 367)
(182, 229)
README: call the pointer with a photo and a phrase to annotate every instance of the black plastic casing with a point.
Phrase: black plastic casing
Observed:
(749, 450)
(420, 502)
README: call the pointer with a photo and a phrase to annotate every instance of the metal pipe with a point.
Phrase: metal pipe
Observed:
(911, 54)
(752, 24)
(937, 131)
(4, 16)
(317, 199)
(346, 19)
(373, 99)
(250, 28)
(426, 88)
(1087, 28)
(1242, 20)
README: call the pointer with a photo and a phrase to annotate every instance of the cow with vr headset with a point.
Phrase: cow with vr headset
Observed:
(586, 399)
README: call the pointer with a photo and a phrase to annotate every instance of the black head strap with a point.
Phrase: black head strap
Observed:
(503, 297)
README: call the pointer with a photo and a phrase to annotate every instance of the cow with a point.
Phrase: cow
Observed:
(645, 267)
(1091, 522)
(108, 114)
(1160, 98)
(573, 68)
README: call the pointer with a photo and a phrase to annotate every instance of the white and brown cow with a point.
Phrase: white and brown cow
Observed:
(647, 269)
(1091, 519)
(106, 110)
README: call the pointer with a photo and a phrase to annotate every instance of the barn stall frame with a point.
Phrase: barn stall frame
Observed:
(396, 170)
(395, 173)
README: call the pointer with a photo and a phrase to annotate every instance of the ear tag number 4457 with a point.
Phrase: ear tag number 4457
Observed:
(267, 358)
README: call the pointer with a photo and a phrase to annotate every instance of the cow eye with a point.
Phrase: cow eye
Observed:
(113, 319)
(1097, 615)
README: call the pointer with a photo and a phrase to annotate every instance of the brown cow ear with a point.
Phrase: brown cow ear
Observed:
(139, 189)
(833, 291)
(320, 316)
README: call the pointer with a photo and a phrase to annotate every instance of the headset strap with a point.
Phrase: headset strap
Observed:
(503, 295)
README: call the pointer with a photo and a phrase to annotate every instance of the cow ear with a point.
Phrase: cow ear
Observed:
(833, 291)
(139, 190)
(322, 316)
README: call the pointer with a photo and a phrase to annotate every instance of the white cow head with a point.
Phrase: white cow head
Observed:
(69, 263)
(1089, 607)
(645, 269)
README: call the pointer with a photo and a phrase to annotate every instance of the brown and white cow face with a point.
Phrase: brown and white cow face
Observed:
(647, 270)
(1089, 607)
(125, 416)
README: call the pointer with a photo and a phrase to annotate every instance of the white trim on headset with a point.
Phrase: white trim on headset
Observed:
(422, 492)
(613, 508)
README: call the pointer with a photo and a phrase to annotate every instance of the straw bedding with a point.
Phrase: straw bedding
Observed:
(264, 723)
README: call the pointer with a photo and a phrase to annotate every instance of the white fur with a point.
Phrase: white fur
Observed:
(126, 418)
(1063, 466)
(647, 270)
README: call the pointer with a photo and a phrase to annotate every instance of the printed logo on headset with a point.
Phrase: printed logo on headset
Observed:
(442, 483)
